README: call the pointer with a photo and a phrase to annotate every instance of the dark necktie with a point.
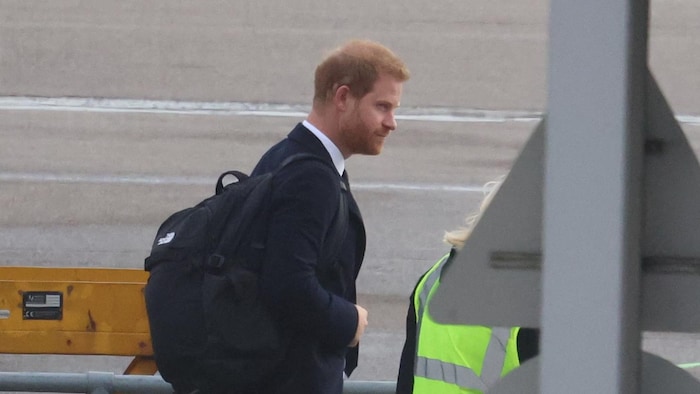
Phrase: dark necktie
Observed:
(351, 356)
(345, 179)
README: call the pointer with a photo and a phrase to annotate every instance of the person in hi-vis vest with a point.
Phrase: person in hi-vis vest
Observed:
(449, 358)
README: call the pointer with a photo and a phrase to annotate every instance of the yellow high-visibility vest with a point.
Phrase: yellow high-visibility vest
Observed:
(454, 358)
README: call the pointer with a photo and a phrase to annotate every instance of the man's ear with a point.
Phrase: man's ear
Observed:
(341, 97)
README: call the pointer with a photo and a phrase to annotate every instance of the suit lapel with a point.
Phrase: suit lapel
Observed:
(310, 143)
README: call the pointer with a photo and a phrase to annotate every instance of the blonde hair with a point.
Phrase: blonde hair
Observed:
(458, 237)
(357, 64)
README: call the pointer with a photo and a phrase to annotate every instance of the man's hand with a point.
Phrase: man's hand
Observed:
(361, 325)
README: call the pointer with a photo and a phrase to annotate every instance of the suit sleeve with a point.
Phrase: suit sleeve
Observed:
(304, 203)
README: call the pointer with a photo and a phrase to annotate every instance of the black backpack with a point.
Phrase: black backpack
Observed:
(209, 329)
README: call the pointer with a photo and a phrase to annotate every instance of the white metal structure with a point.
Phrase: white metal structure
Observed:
(603, 200)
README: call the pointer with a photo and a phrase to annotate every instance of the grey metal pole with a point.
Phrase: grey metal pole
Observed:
(593, 160)
(108, 382)
(91, 382)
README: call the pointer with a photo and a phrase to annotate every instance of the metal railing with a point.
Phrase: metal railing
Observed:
(107, 382)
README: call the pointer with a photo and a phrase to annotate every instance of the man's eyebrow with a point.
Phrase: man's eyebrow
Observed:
(389, 102)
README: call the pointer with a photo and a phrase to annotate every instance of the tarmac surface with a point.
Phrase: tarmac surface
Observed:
(115, 114)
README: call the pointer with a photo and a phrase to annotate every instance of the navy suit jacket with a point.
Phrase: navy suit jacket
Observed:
(321, 320)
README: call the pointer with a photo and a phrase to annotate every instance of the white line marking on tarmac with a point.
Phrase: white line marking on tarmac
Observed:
(233, 108)
(89, 104)
(37, 177)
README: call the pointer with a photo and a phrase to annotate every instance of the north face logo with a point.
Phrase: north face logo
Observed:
(168, 237)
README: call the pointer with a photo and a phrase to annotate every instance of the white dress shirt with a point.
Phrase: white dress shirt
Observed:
(336, 156)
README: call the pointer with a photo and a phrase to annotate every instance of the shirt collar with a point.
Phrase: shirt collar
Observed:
(336, 156)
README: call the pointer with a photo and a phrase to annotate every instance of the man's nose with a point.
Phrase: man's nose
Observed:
(390, 121)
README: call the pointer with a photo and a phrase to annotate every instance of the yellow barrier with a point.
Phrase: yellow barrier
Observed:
(80, 311)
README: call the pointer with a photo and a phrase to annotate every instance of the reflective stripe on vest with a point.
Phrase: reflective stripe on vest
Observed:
(428, 282)
(494, 359)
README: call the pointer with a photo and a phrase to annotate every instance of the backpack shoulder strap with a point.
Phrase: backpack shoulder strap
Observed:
(231, 237)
